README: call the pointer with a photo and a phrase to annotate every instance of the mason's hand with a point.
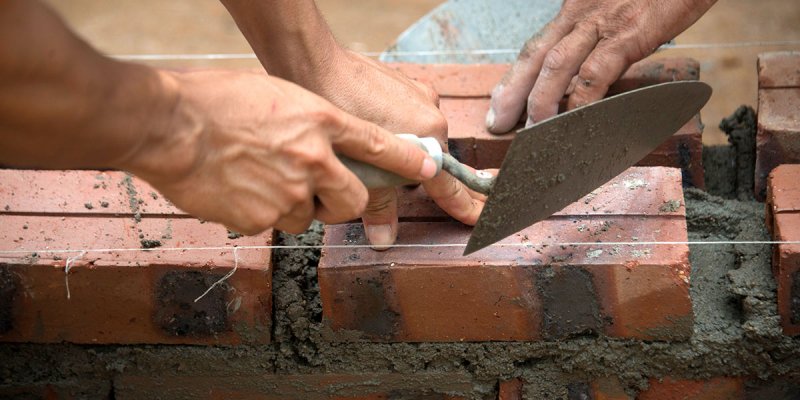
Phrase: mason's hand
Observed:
(376, 93)
(254, 152)
(587, 47)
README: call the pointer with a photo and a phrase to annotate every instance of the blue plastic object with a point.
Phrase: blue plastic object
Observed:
(472, 32)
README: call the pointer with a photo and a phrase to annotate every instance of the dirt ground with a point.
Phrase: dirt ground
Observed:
(203, 26)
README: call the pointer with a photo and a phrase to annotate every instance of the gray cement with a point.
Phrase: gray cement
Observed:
(736, 332)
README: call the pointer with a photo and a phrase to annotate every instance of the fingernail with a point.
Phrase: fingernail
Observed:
(490, 118)
(381, 237)
(428, 168)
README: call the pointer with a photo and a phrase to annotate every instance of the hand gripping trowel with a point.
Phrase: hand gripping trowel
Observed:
(557, 161)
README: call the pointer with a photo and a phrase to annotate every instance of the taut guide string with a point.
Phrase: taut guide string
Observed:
(424, 53)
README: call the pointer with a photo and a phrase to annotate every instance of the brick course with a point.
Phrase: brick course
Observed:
(783, 217)
(122, 296)
(522, 291)
(778, 139)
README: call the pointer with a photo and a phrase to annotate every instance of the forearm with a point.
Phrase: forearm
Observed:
(290, 37)
(63, 105)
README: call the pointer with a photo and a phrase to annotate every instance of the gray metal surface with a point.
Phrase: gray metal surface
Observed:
(556, 162)
(472, 25)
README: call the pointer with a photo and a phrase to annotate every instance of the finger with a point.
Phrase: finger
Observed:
(454, 198)
(380, 218)
(297, 220)
(341, 195)
(602, 68)
(561, 63)
(370, 143)
(510, 94)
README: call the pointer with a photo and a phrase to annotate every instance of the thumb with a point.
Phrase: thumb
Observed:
(380, 218)
(365, 141)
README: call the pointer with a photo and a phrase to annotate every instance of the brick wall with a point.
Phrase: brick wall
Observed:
(526, 319)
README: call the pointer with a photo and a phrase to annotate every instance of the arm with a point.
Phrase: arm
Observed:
(587, 47)
(293, 41)
(62, 105)
(244, 149)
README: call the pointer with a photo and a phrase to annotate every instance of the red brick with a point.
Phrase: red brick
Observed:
(609, 199)
(778, 140)
(783, 219)
(69, 192)
(123, 296)
(682, 150)
(456, 80)
(510, 390)
(652, 71)
(779, 69)
(377, 386)
(783, 192)
(524, 291)
(478, 80)
(60, 390)
(722, 388)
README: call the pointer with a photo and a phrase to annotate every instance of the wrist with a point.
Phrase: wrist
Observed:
(306, 59)
(167, 147)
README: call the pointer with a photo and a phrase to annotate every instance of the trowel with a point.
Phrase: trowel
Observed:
(555, 162)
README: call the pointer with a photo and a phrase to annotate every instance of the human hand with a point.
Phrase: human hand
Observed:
(374, 92)
(254, 152)
(587, 47)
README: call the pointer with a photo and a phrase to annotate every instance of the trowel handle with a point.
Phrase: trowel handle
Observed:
(373, 177)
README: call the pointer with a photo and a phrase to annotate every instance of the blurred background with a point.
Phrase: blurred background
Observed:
(203, 26)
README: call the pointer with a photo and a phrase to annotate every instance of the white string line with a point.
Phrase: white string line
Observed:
(416, 245)
(424, 53)
(224, 278)
(67, 266)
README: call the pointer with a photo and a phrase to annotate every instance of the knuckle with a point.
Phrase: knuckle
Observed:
(257, 223)
(434, 124)
(556, 59)
(323, 117)
(315, 155)
(298, 193)
(377, 143)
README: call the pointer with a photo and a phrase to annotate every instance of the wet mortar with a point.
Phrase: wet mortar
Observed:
(736, 329)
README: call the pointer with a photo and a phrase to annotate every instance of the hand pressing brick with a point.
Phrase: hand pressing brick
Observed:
(523, 290)
(465, 91)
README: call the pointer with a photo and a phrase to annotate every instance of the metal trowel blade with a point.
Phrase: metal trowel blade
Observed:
(557, 161)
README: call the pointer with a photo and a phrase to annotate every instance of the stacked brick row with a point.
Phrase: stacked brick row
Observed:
(778, 139)
(122, 294)
(777, 180)
(783, 220)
